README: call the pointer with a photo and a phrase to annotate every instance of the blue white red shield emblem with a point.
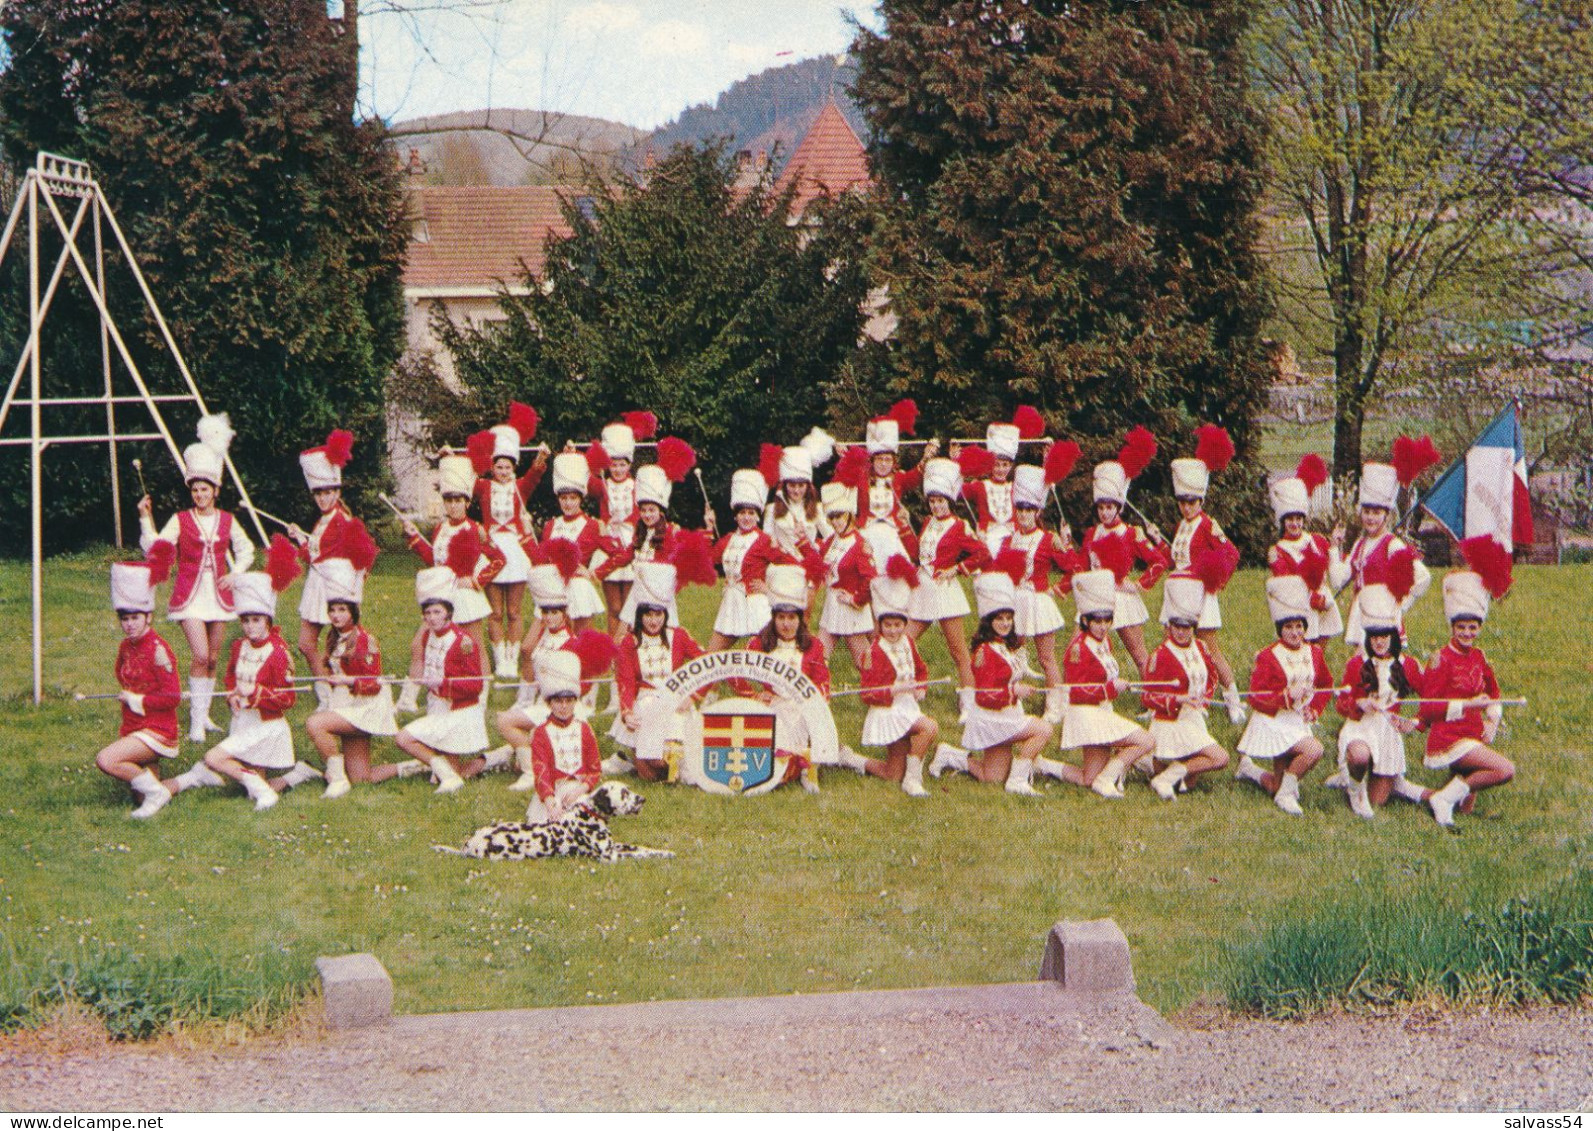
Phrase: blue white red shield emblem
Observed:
(738, 749)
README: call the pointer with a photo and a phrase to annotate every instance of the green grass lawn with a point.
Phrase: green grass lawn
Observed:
(859, 887)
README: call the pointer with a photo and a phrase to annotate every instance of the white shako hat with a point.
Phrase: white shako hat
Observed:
(655, 586)
(942, 477)
(320, 473)
(548, 587)
(207, 459)
(1110, 483)
(1182, 599)
(1095, 593)
(456, 475)
(994, 591)
(1465, 596)
(1191, 478)
(505, 442)
(1379, 486)
(1028, 486)
(748, 489)
(837, 497)
(1379, 609)
(570, 473)
(882, 436)
(131, 591)
(1288, 598)
(558, 672)
(786, 586)
(435, 583)
(796, 463)
(340, 580)
(1288, 496)
(653, 486)
(1002, 440)
(618, 441)
(889, 596)
(252, 593)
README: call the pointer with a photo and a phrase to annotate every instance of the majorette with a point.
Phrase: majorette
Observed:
(146, 674)
(653, 536)
(360, 705)
(946, 551)
(500, 501)
(1178, 712)
(1116, 545)
(745, 555)
(1379, 556)
(572, 474)
(1038, 617)
(794, 518)
(990, 488)
(1300, 553)
(454, 728)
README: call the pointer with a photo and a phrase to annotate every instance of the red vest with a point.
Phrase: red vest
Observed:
(191, 551)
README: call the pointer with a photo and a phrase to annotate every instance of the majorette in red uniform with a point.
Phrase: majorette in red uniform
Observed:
(991, 493)
(794, 519)
(611, 461)
(500, 501)
(745, 555)
(476, 560)
(645, 660)
(1372, 739)
(1116, 545)
(652, 539)
(454, 726)
(945, 551)
(359, 706)
(881, 516)
(1379, 556)
(1178, 712)
(571, 476)
(1037, 616)
(1300, 553)
(146, 672)
(848, 569)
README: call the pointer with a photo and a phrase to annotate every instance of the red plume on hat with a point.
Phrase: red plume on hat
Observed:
(1114, 553)
(905, 413)
(643, 424)
(596, 650)
(160, 558)
(676, 458)
(1412, 457)
(362, 548)
(1491, 561)
(901, 569)
(693, 559)
(1139, 448)
(769, 456)
(1313, 472)
(1012, 562)
(523, 419)
(1059, 461)
(813, 565)
(975, 462)
(463, 550)
(339, 446)
(1402, 572)
(480, 447)
(852, 470)
(282, 562)
(1213, 447)
(1029, 423)
(563, 555)
(1313, 568)
(1214, 566)
(596, 458)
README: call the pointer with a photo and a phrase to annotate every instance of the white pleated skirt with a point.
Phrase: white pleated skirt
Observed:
(741, 613)
(203, 604)
(372, 714)
(1267, 736)
(885, 725)
(1386, 744)
(1182, 737)
(1457, 750)
(470, 605)
(1097, 724)
(1328, 622)
(584, 599)
(1210, 613)
(844, 620)
(884, 542)
(154, 741)
(986, 728)
(994, 535)
(266, 744)
(449, 731)
(312, 600)
(1129, 610)
(1036, 614)
(626, 737)
(516, 566)
(937, 600)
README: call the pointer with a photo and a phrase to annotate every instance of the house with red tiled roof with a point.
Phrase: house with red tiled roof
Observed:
(829, 161)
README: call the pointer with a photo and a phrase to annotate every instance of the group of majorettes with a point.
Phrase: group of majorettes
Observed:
(883, 581)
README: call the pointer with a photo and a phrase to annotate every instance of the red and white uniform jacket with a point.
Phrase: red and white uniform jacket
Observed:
(564, 751)
(1196, 538)
(888, 665)
(880, 500)
(263, 675)
(147, 668)
(849, 566)
(1090, 666)
(1190, 669)
(992, 503)
(1347, 701)
(997, 674)
(947, 543)
(616, 505)
(1141, 550)
(202, 545)
(1286, 679)
(356, 654)
(583, 530)
(657, 545)
(811, 662)
(333, 536)
(488, 562)
(1453, 674)
(502, 505)
(641, 665)
(1043, 549)
(745, 556)
(794, 532)
(451, 667)
(1296, 557)
(1368, 564)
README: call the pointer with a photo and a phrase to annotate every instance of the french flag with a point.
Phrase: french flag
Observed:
(1485, 490)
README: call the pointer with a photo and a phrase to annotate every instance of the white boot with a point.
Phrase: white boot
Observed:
(198, 776)
(527, 780)
(323, 695)
(615, 765)
(1409, 790)
(1360, 803)
(1247, 770)
(1444, 801)
(257, 788)
(1018, 777)
(337, 783)
(1166, 783)
(948, 757)
(200, 691)
(299, 774)
(497, 759)
(1146, 764)
(1109, 782)
(411, 768)
(913, 778)
(1051, 768)
(965, 703)
(154, 795)
(1235, 705)
(408, 697)
(1288, 796)
(448, 778)
(851, 759)
(1056, 704)
(509, 660)
(1339, 779)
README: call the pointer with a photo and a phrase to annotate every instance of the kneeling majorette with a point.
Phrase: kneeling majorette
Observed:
(500, 500)
(1116, 545)
(1198, 538)
(452, 733)
(946, 552)
(647, 655)
(1184, 747)
(744, 554)
(561, 754)
(1300, 553)
(1376, 682)
(146, 672)
(359, 706)
(786, 637)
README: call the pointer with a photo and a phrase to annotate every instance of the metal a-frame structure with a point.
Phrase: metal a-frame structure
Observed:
(53, 186)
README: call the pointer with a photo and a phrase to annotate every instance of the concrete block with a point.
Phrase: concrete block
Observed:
(357, 991)
(1089, 956)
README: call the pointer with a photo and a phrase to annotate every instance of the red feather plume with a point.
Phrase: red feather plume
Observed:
(676, 458)
(1213, 447)
(282, 562)
(596, 458)
(1313, 472)
(160, 558)
(1012, 562)
(769, 456)
(1139, 448)
(1060, 460)
(852, 471)
(1215, 567)
(901, 569)
(1029, 423)
(1402, 573)
(523, 419)
(1412, 457)
(339, 446)
(976, 462)
(1313, 569)
(1491, 561)
(463, 550)
(564, 555)
(1114, 553)
(597, 650)
(641, 422)
(362, 548)
(479, 448)
(905, 413)
(813, 566)
(693, 559)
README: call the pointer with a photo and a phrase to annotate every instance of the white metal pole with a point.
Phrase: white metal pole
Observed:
(34, 482)
(44, 309)
(110, 392)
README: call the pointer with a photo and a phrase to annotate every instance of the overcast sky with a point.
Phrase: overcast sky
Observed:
(640, 62)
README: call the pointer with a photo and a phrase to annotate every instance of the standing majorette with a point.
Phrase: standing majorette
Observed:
(848, 569)
(557, 669)
(611, 459)
(1379, 555)
(745, 555)
(647, 655)
(1116, 545)
(336, 536)
(1184, 747)
(946, 551)
(893, 684)
(453, 731)
(786, 638)
(1460, 695)
(880, 514)
(1000, 741)
(1199, 536)
(794, 519)
(1376, 680)
(562, 754)
(1037, 616)
(146, 673)
(991, 494)
(1289, 685)
(360, 706)
(203, 538)
(500, 501)
(1109, 743)
(1300, 553)
(572, 473)
(652, 538)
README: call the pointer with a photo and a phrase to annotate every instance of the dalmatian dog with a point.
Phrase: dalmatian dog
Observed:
(581, 831)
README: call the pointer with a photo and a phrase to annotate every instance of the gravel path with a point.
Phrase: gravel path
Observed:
(1026, 1047)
